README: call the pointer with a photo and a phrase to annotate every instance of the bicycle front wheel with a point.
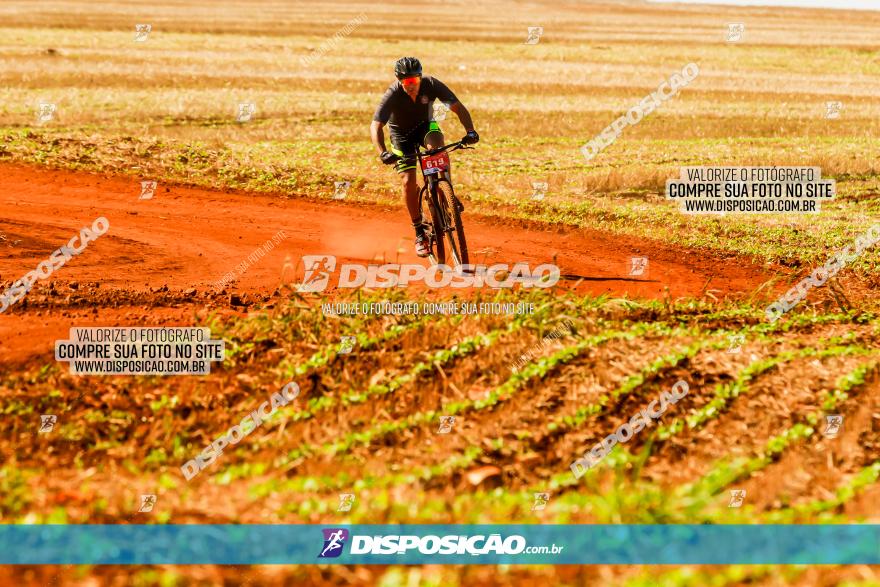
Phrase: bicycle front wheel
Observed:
(433, 226)
(450, 237)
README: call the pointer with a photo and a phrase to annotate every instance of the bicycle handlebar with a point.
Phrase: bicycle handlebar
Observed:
(450, 147)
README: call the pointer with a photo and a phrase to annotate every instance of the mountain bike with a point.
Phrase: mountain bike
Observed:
(441, 209)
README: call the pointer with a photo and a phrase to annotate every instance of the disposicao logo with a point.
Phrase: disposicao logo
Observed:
(335, 540)
(318, 270)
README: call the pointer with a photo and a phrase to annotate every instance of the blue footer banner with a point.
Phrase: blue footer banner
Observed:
(439, 544)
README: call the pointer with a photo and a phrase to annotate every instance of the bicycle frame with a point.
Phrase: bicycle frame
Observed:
(430, 180)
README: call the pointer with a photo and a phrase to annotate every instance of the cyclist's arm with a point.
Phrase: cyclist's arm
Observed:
(463, 115)
(377, 134)
(380, 119)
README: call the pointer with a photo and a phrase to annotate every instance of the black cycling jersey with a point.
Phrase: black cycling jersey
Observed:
(406, 117)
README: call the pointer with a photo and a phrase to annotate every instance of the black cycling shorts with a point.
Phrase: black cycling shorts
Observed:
(406, 147)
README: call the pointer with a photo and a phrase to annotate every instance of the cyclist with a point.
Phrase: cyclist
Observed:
(407, 109)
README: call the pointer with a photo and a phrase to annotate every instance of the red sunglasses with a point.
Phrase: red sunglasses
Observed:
(411, 81)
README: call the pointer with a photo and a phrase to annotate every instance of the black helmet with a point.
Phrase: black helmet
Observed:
(407, 67)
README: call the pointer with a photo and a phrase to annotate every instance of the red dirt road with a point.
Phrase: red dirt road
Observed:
(189, 238)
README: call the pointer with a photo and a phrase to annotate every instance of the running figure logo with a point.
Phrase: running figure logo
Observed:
(147, 503)
(334, 541)
(737, 497)
(341, 189)
(318, 269)
(735, 32)
(541, 500)
(736, 342)
(832, 110)
(832, 425)
(347, 345)
(148, 189)
(246, 111)
(346, 500)
(540, 188)
(638, 265)
(47, 112)
(535, 33)
(446, 424)
(142, 32)
(47, 422)
(440, 110)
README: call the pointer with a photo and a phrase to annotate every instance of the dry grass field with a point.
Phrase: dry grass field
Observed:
(165, 110)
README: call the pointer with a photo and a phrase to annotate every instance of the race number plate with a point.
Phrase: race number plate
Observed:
(435, 163)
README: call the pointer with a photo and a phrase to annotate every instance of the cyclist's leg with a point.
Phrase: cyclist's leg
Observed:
(411, 189)
(411, 193)
(406, 168)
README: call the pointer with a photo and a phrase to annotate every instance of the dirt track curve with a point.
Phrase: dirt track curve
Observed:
(188, 237)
